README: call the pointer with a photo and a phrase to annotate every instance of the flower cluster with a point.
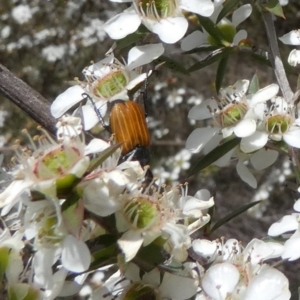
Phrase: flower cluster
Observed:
(106, 80)
(240, 273)
(255, 118)
(62, 189)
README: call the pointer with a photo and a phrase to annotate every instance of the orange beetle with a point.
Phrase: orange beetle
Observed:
(128, 124)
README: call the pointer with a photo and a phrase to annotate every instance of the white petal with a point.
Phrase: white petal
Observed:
(291, 248)
(286, 224)
(203, 8)
(95, 146)
(245, 127)
(201, 111)
(131, 85)
(75, 255)
(240, 35)
(152, 277)
(297, 205)
(193, 40)
(257, 251)
(265, 94)
(123, 24)
(205, 248)
(90, 118)
(141, 55)
(245, 174)
(66, 100)
(291, 38)
(130, 243)
(241, 14)
(254, 142)
(199, 137)
(203, 194)
(13, 191)
(220, 280)
(100, 68)
(276, 283)
(263, 158)
(292, 137)
(294, 58)
(177, 287)
(170, 30)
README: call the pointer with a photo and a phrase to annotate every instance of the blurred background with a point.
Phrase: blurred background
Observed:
(48, 43)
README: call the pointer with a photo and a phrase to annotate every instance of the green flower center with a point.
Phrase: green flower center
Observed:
(56, 163)
(156, 9)
(278, 124)
(228, 32)
(141, 213)
(232, 115)
(140, 291)
(47, 231)
(110, 85)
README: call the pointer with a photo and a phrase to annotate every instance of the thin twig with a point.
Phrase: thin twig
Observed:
(29, 100)
(275, 58)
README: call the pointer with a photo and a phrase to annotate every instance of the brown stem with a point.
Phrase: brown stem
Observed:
(29, 100)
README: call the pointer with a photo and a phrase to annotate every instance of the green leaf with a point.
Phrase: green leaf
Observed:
(104, 251)
(298, 82)
(211, 58)
(72, 214)
(274, 7)
(151, 256)
(254, 84)
(171, 64)
(96, 162)
(214, 155)
(221, 72)
(212, 29)
(4, 257)
(203, 49)
(232, 215)
(227, 8)
(132, 38)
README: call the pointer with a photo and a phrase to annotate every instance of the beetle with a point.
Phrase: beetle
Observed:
(128, 124)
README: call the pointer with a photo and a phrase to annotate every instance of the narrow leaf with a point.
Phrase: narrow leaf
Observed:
(202, 49)
(227, 8)
(254, 84)
(298, 83)
(214, 155)
(221, 72)
(171, 64)
(96, 162)
(212, 29)
(274, 7)
(132, 38)
(232, 215)
(211, 58)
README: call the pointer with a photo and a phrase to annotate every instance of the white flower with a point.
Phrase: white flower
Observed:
(51, 166)
(199, 38)
(240, 273)
(108, 185)
(234, 113)
(294, 58)
(292, 38)
(106, 80)
(278, 124)
(145, 217)
(287, 225)
(21, 14)
(152, 285)
(165, 18)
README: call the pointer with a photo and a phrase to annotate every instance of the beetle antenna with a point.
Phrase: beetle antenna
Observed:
(97, 111)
